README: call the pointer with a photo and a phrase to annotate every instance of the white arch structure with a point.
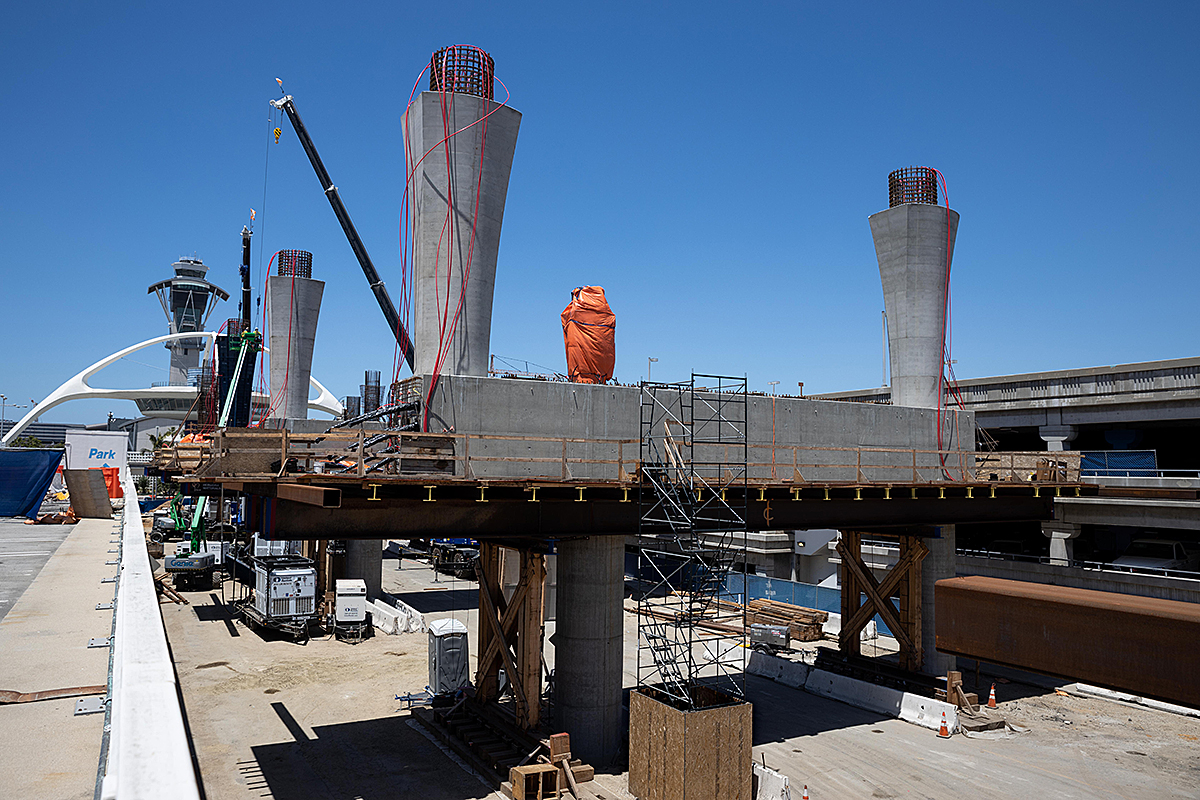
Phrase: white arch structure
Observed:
(78, 388)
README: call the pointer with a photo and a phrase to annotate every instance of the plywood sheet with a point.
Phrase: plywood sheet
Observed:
(89, 493)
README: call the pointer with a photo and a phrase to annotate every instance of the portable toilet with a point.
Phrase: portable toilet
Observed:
(448, 651)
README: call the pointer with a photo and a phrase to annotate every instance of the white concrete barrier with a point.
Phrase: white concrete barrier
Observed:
(1109, 694)
(764, 665)
(386, 619)
(409, 619)
(793, 674)
(832, 627)
(148, 755)
(914, 708)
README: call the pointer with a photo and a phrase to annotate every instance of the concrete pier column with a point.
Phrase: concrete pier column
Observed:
(457, 202)
(1062, 536)
(910, 243)
(293, 305)
(364, 561)
(1058, 437)
(939, 564)
(588, 655)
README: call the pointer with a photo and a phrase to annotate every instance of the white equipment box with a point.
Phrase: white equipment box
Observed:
(351, 600)
(284, 593)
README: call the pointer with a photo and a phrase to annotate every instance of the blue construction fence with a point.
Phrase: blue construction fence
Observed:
(1120, 463)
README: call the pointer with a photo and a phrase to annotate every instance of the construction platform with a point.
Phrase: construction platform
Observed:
(344, 485)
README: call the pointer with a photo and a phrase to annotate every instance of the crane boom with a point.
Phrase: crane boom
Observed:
(287, 105)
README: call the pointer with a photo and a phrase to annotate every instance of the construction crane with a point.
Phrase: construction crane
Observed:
(288, 106)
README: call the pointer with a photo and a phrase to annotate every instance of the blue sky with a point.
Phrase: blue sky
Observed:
(712, 166)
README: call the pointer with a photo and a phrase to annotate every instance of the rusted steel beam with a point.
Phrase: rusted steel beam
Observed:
(1142, 645)
(320, 496)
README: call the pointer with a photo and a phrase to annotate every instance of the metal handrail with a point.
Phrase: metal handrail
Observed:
(1093, 566)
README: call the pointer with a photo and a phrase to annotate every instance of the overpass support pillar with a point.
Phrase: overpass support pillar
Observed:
(940, 563)
(364, 561)
(1062, 537)
(588, 640)
(1058, 437)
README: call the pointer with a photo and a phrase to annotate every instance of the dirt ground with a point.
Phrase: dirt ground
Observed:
(270, 718)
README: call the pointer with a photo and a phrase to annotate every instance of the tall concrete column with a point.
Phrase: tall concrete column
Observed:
(910, 244)
(364, 561)
(939, 564)
(588, 656)
(1062, 536)
(467, 174)
(293, 305)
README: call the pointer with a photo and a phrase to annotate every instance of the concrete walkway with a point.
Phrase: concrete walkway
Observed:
(46, 751)
(24, 550)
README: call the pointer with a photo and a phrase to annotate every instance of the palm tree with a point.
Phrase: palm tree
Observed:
(162, 439)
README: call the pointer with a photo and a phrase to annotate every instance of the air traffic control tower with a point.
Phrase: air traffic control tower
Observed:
(187, 300)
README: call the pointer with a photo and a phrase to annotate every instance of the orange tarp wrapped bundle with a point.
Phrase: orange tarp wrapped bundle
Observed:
(590, 333)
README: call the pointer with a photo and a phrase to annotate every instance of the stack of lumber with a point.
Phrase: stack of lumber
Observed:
(805, 624)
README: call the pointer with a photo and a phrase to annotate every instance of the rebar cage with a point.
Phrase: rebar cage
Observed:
(692, 534)
(462, 68)
(912, 185)
(295, 264)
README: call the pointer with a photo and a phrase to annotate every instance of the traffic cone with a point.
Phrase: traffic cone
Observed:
(943, 731)
(804, 794)
(992, 697)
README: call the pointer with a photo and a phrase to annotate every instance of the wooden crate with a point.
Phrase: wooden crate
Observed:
(534, 782)
(694, 754)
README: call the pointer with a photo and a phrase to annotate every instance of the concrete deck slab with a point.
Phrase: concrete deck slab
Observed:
(46, 751)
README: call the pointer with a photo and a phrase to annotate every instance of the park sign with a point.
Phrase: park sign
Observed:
(92, 449)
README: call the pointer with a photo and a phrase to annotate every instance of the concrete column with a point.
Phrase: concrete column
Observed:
(364, 561)
(1058, 437)
(292, 337)
(588, 655)
(939, 564)
(446, 245)
(1062, 536)
(910, 245)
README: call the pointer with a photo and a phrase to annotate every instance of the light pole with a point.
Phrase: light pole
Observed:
(772, 384)
(649, 361)
(3, 407)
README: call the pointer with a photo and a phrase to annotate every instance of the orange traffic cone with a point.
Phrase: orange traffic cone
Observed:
(943, 731)
(992, 697)
(804, 794)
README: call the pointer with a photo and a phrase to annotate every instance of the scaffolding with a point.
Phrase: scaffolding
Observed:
(691, 536)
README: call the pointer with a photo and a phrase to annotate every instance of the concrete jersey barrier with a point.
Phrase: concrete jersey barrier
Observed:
(148, 754)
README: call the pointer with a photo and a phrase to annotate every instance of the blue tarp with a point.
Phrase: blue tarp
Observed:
(25, 476)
